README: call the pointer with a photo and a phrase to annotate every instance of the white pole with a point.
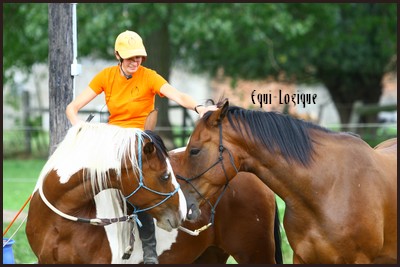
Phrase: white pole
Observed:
(76, 68)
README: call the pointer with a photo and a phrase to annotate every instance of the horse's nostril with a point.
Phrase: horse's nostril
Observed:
(190, 211)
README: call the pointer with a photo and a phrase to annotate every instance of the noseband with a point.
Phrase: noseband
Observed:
(219, 160)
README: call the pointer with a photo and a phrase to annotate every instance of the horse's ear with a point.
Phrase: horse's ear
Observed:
(224, 108)
(148, 148)
(151, 120)
(218, 115)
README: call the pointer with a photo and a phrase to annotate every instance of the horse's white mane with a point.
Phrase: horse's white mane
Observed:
(96, 147)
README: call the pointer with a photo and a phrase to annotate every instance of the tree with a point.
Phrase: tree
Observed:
(346, 46)
(60, 79)
(25, 37)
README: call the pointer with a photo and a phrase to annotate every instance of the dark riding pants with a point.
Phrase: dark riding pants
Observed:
(148, 236)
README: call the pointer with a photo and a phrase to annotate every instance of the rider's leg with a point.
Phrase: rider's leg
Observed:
(148, 236)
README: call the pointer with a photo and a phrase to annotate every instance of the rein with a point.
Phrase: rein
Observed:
(220, 159)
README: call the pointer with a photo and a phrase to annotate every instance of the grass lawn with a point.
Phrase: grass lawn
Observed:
(19, 180)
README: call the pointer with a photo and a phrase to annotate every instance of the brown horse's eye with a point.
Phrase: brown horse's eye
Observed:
(194, 151)
(165, 177)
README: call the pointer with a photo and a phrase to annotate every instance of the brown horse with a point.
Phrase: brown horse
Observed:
(239, 228)
(246, 224)
(340, 194)
(132, 164)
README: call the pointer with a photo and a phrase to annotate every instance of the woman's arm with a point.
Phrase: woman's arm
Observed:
(79, 102)
(184, 100)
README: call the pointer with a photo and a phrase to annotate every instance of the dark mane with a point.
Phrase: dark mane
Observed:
(275, 131)
(162, 152)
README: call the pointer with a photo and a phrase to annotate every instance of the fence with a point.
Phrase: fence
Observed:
(32, 140)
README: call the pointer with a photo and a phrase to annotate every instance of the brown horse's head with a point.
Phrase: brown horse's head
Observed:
(193, 207)
(155, 188)
(208, 164)
(192, 203)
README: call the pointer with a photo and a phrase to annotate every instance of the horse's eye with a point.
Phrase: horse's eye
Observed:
(165, 177)
(194, 151)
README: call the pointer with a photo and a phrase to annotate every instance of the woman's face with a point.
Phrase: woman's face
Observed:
(131, 65)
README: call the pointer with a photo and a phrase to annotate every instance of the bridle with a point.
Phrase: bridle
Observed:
(189, 180)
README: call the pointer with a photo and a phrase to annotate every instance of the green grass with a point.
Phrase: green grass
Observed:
(28, 168)
(19, 179)
(21, 249)
(286, 249)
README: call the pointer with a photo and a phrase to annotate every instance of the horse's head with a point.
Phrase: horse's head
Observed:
(192, 204)
(194, 211)
(157, 191)
(208, 162)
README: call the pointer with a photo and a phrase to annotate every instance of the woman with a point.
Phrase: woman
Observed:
(130, 90)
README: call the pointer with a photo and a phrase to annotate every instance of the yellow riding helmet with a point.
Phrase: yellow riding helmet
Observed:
(129, 44)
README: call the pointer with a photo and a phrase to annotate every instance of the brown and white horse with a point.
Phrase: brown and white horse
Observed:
(64, 222)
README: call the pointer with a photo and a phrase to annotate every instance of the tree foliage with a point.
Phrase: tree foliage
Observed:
(346, 46)
(25, 37)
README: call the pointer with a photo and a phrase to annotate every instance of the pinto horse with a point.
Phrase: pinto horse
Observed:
(340, 194)
(132, 163)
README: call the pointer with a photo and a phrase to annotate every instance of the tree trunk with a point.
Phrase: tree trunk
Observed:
(159, 59)
(60, 79)
(344, 88)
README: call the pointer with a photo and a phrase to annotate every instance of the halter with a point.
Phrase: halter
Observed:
(189, 180)
(141, 185)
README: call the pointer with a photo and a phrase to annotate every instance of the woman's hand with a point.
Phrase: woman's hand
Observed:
(203, 109)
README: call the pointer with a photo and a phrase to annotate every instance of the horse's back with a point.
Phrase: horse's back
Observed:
(388, 146)
(386, 158)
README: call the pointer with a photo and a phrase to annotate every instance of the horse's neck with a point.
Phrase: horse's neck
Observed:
(282, 176)
(73, 196)
(292, 180)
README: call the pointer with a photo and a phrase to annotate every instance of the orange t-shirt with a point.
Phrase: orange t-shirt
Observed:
(128, 101)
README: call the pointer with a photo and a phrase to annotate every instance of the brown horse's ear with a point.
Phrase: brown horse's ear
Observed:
(224, 108)
(151, 120)
(218, 115)
(148, 148)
